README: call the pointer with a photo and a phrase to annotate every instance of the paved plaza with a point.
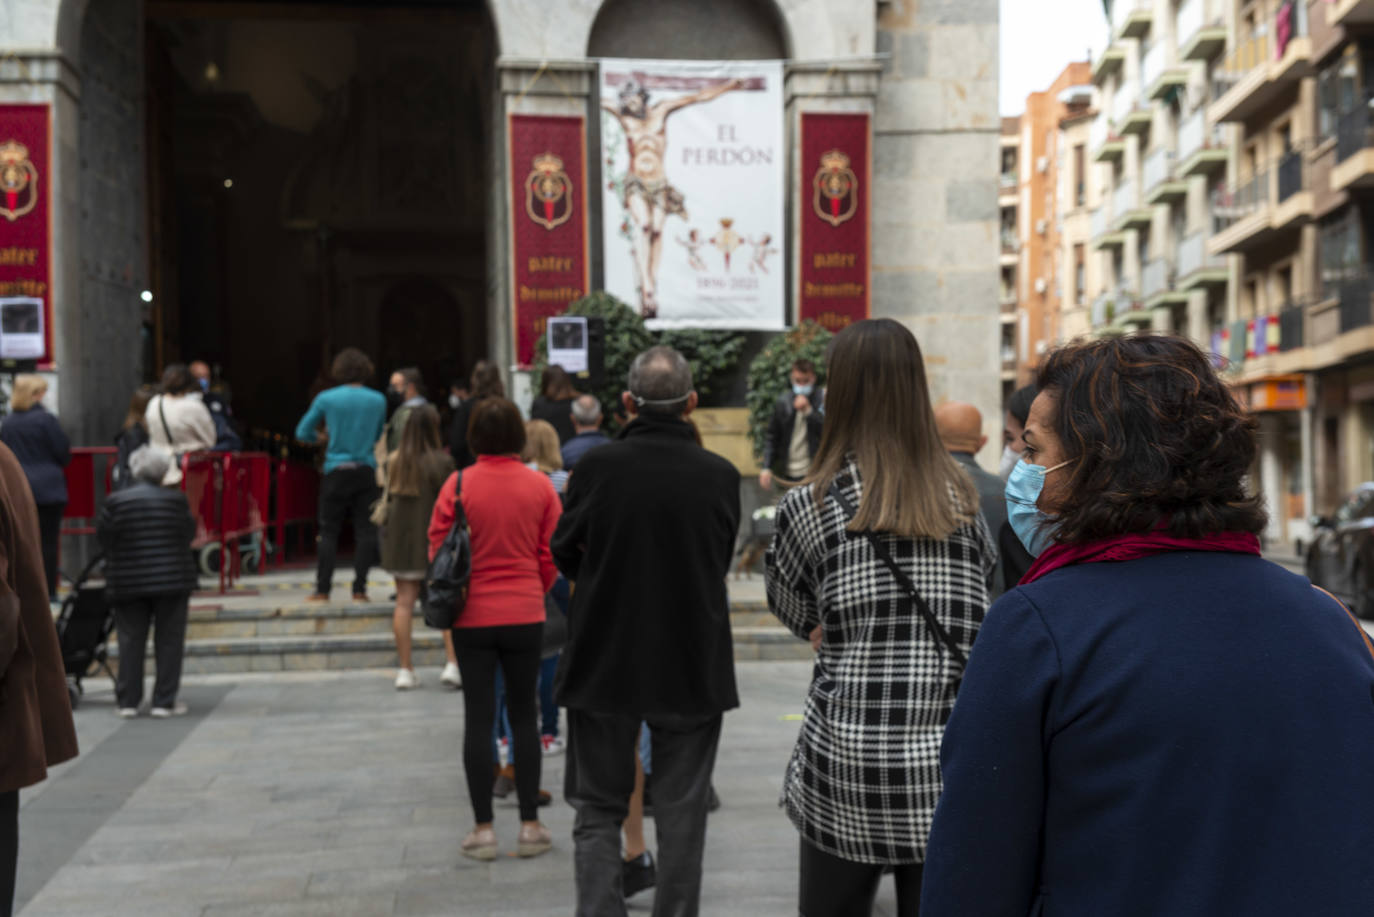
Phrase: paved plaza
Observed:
(333, 794)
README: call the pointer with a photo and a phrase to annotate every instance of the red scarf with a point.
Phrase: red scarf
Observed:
(1130, 547)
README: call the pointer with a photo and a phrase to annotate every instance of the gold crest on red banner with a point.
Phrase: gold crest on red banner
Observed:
(837, 189)
(548, 192)
(18, 181)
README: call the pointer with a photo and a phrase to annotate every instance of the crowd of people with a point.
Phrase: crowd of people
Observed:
(1151, 719)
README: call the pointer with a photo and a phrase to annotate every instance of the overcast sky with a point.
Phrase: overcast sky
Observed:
(1040, 38)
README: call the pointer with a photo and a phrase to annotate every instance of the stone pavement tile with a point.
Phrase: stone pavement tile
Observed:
(378, 905)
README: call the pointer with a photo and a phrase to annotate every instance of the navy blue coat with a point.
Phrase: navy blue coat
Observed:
(37, 440)
(1185, 735)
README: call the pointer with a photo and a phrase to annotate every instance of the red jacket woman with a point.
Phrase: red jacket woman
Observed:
(511, 513)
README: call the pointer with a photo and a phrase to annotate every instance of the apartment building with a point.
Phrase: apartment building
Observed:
(1049, 210)
(1009, 202)
(1214, 155)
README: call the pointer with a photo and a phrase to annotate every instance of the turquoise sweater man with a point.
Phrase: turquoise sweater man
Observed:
(352, 415)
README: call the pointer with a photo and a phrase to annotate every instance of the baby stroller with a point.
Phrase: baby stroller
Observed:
(83, 629)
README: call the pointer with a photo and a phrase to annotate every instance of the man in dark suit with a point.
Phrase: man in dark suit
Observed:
(646, 536)
(794, 430)
(961, 431)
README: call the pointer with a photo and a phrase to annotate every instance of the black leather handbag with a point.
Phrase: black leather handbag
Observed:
(446, 581)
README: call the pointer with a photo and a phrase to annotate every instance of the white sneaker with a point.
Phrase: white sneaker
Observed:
(406, 680)
(128, 713)
(179, 709)
(553, 745)
(450, 676)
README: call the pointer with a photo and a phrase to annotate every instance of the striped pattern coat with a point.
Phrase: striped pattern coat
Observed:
(864, 777)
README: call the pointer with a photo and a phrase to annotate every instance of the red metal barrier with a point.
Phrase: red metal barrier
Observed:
(88, 483)
(232, 495)
(296, 498)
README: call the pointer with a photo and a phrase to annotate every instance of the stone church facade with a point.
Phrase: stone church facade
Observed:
(143, 118)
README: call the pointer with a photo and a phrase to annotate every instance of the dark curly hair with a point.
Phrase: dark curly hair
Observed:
(351, 367)
(1154, 439)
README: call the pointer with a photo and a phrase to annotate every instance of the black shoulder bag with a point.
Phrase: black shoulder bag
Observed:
(446, 581)
(849, 509)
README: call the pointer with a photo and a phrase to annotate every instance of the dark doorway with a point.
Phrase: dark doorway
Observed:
(318, 179)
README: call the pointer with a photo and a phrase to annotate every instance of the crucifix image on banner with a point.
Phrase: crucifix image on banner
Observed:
(694, 165)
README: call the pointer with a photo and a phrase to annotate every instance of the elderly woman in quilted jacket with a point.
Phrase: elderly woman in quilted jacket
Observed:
(882, 560)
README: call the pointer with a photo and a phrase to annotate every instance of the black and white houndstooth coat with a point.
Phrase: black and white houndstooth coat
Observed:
(864, 777)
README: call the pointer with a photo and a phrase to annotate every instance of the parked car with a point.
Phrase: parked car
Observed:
(1341, 556)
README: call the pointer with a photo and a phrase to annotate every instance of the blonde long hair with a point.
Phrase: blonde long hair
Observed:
(541, 446)
(877, 411)
(419, 437)
(28, 391)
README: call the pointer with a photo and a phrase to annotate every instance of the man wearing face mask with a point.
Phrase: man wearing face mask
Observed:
(403, 395)
(217, 401)
(794, 430)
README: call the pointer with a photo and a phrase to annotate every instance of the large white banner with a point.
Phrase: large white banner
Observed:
(694, 168)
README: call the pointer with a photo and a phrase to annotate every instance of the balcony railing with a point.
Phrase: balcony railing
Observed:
(1099, 132)
(1102, 219)
(1153, 64)
(1158, 277)
(1292, 173)
(1126, 97)
(1008, 181)
(1125, 198)
(1190, 17)
(1193, 256)
(1010, 244)
(1122, 10)
(1194, 134)
(1355, 301)
(1353, 133)
(1102, 309)
(1159, 167)
(1292, 321)
(1240, 63)
(1289, 22)
(1235, 203)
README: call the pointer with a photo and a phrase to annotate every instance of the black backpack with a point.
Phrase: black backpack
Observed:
(446, 582)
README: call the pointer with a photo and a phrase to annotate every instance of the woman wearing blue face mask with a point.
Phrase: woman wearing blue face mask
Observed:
(1157, 721)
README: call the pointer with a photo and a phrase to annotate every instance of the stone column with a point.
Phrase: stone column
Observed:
(1271, 473)
(935, 185)
(50, 77)
(535, 87)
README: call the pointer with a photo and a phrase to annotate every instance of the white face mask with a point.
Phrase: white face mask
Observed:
(1009, 459)
(454, 401)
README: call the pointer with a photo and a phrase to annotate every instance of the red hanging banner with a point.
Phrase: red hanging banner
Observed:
(549, 262)
(25, 233)
(834, 288)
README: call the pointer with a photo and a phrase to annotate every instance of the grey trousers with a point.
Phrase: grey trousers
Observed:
(167, 615)
(599, 779)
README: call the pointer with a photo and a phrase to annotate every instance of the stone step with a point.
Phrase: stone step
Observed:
(334, 636)
(211, 622)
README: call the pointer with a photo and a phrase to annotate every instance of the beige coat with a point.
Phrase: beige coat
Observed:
(188, 421)
(36, 729)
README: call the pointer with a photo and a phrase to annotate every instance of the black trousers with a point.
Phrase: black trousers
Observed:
(599, 780)
(347, 492)
(834, 887)
(517, 650)
(49, 530)
(167, 615)
(9, 849)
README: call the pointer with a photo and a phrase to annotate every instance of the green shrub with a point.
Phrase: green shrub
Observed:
(768, 374)
(711, 353)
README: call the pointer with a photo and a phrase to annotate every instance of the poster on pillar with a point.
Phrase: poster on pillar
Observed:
(549, 262)
(833, 207)
(694, 168)
(25, 230)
